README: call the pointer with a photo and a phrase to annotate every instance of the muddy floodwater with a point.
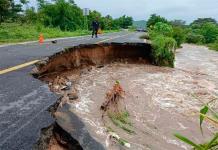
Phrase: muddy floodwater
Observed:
(161, 101)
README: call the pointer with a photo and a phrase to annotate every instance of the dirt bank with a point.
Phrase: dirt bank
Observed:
(82, 56)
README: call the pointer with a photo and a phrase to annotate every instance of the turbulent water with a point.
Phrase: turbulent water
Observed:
(161, 101)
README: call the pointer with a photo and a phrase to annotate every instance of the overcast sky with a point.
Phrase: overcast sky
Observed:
(187, 10)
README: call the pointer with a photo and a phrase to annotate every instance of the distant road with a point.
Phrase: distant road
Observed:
(23, 99)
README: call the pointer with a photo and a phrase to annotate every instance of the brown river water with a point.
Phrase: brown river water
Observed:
(161, 101)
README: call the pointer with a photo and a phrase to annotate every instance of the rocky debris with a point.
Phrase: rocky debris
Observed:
(113, 135)
(53, 108)
(60, 83)
(54, 137)
(54, 42)
(72, 96)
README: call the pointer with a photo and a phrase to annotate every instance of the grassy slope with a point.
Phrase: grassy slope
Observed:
(12, 32)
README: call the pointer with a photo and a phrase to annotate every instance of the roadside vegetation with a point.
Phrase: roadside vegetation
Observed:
(14, 32)
(166, 36)
(60, 18)
(211, 144)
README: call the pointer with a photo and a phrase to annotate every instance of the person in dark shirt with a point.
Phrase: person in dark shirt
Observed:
(95, 27)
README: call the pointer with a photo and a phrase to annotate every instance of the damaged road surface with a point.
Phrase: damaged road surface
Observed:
(24, 100)
(112, 97)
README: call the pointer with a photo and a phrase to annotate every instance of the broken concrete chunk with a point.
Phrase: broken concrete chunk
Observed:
(64, 88)
(69, 84)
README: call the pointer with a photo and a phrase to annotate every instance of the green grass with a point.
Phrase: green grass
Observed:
(213, 46)
(122, 121)
(122, 141)
(14, 32)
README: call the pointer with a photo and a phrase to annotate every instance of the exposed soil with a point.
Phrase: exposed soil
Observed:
(55, 138)
(160, 101)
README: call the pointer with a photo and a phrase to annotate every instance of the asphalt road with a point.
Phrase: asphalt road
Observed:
(23, 99)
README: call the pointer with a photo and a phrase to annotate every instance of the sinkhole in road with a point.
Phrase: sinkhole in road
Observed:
(112, 97)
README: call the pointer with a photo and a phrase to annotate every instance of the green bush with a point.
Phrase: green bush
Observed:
(195, 38)
(179, 35)
(163, 51)
(210, 32)
(163, 29)
(213, 46)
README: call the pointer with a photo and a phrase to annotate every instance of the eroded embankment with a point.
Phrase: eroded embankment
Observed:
(73, 62)
(82, 56)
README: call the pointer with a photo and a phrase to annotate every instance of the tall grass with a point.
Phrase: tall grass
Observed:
(14, 32)
(213, 46)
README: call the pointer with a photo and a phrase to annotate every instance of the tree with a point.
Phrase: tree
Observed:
(154, 19)
(201, 21)
(72, 2)
(107, 20)
(210, 32)
(163, 29)
(41, 3)
(24, 2)
(14, 10)
(30, 15)
(4, 9)
(124, 21)
(62, 14)
(180, 23)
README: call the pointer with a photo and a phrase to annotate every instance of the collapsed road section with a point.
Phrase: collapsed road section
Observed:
(113, 98)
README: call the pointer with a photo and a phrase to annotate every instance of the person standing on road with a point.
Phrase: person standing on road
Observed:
(95, 27)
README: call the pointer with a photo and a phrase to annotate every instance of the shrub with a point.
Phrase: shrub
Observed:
(210, 32)
(163, 51)
(213, 46)
(195, 38)
(179, 35)
(163, 29)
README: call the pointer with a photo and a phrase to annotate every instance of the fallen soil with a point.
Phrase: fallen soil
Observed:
(160, 101)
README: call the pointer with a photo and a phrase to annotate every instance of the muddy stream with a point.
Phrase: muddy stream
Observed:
(160, 101)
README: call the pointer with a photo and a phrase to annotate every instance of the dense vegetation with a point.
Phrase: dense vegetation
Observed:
(167, 35)
(54, 19)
